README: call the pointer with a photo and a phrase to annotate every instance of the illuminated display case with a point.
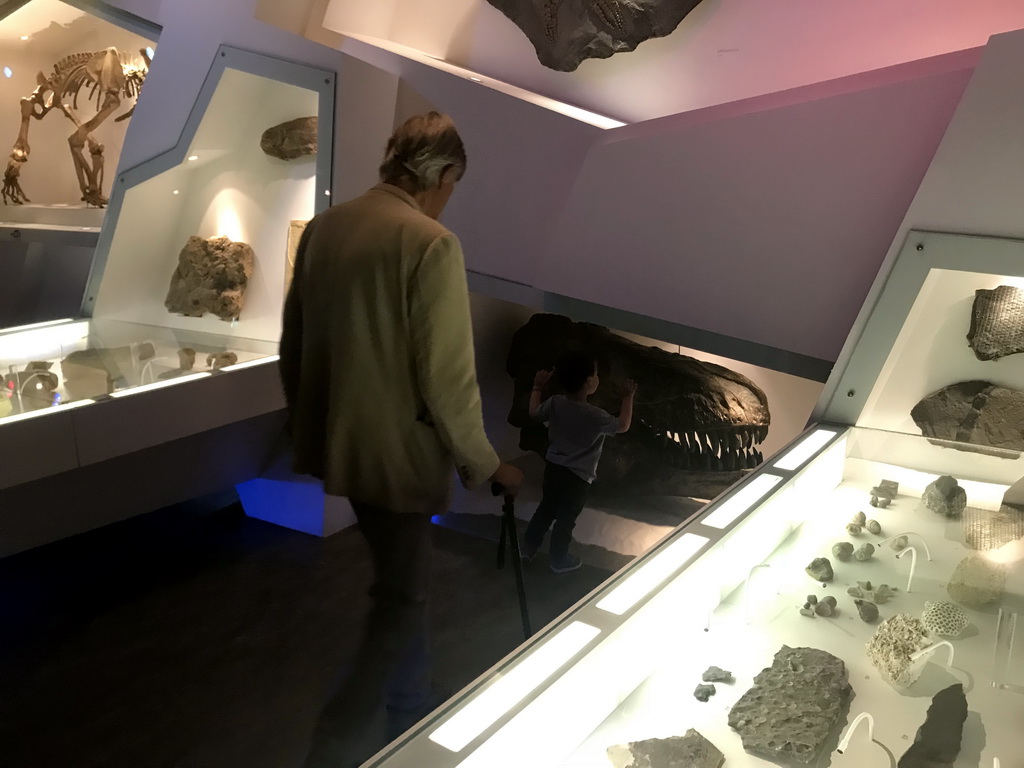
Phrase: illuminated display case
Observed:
(730, 588)
(217, 183)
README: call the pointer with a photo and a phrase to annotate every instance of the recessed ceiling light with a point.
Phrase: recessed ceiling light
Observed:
(8, 73)
(24, 37)
(193, 157)
(174, 192)
(327, 192)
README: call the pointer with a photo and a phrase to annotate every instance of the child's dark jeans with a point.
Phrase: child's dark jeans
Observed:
(565, 493)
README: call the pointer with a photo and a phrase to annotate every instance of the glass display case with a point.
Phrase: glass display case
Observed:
(873, 567)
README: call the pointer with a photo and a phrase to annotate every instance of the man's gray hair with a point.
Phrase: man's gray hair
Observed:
(419, 151)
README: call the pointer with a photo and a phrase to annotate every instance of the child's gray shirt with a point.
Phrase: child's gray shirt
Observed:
(576, 432)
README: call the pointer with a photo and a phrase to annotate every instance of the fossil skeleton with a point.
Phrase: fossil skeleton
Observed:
(688, 415)
(110, 75)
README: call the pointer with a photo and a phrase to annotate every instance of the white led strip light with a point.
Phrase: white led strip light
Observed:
(800, 453)
(44, 411)
(741, 501)
(642, 581)
(511, 688)
(159, 384)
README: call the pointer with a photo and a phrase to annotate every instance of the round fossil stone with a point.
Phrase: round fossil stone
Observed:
(842, 550)
(820, 569)
(865, 552)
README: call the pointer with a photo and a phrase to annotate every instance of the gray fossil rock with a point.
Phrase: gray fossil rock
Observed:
(704, 692)
(997, 323)
(876, 594)
(883, 493)
(789, 713)
(695, 424)
(292, 139)
(842, 550)
(899, 543)
(974, 412)
(874, 527)
(820, 569)
(716, 675)
(868, 611)
(566, 32)
(826, 606)
(691, 750)
(864, 552)
(976, 582)
(211, 276)
(945, 496)
(937, 743)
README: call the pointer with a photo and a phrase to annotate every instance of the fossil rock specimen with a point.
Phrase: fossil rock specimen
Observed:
(820, 569)
(867, 610)
(976, 582)
(975, 412)
(211, 276)
(890, 648)
(937, 743)
(186, 358)
(692, 421)
(842, 550)
(826, 606)
(985, 529)
(945, 496)
(883, 493)
(997, 323)
(292, 139)
(566, 32)
(899, 543)
(853, 529)
(791, 709)
(691, 750)
(809, 606)
(873, 526)
(218, 360)
(859, 518)
(716, 675)
(864, 552)
(945, 619)
(704, 692)
(868, 591)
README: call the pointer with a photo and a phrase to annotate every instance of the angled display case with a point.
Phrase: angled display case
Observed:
(183, 303)
(852, 602)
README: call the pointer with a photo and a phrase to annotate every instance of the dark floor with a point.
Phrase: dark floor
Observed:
(208, 640)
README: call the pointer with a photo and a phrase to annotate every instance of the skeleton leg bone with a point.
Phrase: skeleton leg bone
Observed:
(90, 175)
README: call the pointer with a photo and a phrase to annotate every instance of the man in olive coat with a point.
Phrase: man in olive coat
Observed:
(379, 373)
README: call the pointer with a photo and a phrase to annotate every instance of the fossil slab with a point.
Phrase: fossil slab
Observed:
(986, 529)
(292, 139)
(975, 412)
(789, 713)
(567, 32)
(894, 642)
(976, 582)
(937, 743)
(691, 750)
(211, 276)
(997, 323)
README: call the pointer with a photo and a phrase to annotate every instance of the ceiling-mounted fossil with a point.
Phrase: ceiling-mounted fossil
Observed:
(566, 32)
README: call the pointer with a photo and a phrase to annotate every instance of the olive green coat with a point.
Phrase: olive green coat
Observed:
(377, 357)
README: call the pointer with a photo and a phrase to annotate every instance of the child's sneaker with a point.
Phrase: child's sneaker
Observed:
(565, 563)
(527, 551)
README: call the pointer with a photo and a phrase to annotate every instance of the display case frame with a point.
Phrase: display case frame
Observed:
(588, 675)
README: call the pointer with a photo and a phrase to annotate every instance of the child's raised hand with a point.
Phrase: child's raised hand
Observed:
(629, 389)
(540, 381)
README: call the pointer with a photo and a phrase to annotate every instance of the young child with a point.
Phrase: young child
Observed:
(576, 431)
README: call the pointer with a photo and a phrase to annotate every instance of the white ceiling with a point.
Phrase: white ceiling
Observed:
(53, 28)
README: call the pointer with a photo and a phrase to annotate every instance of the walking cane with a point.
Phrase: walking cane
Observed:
(509, 534)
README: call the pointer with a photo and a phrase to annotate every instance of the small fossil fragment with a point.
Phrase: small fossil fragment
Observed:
(883, 493)
(807, 610)
(865, 552)
(826, 606)
(943, 618)
(874, 527)
(859, 518)
(842, 550)
(820, 569)
(812, 599)
(868, 611)
(899, 543)
(945, 496)
(716, 675)
(703, 692)
(853, 529)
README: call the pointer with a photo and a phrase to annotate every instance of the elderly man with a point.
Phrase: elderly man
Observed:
(379, 373)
